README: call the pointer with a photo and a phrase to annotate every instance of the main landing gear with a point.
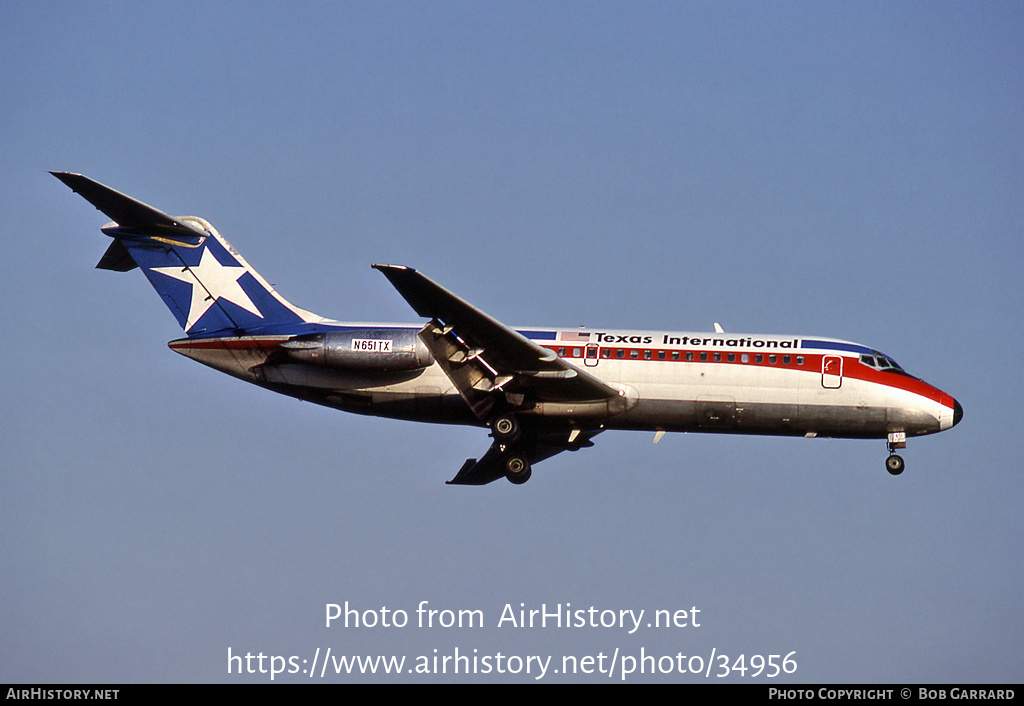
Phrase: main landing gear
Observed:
(517, 469)
(506, 432)
(894, 464)
(505, 429)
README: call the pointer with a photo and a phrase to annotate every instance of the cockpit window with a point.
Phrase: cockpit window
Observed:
(880, 361)
(889, 362)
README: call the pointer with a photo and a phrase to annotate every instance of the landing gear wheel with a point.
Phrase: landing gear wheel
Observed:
(505, 429)
(517, 470)
(894, 464)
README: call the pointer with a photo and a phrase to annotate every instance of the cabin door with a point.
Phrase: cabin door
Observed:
(831, 371)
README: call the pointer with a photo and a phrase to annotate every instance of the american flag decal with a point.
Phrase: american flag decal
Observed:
(574, 336)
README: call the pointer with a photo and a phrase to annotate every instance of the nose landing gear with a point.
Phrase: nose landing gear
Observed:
(894, 464)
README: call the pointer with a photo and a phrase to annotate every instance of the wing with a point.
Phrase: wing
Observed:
(535, 448)
(483, 356)
(500, 372)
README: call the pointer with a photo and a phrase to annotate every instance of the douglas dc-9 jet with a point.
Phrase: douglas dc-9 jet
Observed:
(539, 391)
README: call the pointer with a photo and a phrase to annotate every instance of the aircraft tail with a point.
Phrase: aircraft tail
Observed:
(204, 282)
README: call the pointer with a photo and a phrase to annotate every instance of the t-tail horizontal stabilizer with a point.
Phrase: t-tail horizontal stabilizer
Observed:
(206, 284)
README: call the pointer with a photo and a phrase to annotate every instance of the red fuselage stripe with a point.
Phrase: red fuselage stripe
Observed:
(812, 363)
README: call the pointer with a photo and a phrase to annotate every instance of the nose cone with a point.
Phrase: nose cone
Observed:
(958, 412)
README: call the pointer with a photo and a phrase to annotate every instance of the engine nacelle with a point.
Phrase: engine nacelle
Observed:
(385, 349)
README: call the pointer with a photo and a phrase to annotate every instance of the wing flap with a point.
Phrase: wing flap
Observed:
(468, 373)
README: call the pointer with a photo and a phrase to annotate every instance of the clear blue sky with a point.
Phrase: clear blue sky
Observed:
(837, 169)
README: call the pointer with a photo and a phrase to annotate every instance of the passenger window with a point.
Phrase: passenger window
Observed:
(675, 355)
(620, 353)
(689, 355)
(606, 352)
(661, 355)
(731, 357)
(703, 357)
(634, 354)
(718, 357)
(799, 360)
(758, 358)
(785, 360)
(744, 358)
(576, 352)
(773, 359)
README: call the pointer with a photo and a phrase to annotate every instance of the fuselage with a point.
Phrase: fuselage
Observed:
(667, 381)
(540, 391)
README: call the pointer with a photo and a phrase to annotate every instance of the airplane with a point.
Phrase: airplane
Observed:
(540, 391)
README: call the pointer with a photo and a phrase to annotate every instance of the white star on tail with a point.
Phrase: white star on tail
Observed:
(211, 281)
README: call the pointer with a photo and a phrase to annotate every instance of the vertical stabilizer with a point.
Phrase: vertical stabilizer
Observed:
(205, 283)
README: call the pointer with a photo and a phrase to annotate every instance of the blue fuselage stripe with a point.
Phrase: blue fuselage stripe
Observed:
(835, 345)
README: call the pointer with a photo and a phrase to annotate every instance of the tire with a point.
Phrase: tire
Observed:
(894, 464)
(517, 470)
(505, 429)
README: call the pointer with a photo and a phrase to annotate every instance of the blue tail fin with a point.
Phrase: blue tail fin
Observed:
(204, 282)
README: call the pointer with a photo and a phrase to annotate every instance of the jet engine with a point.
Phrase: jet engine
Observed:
(384, 349)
